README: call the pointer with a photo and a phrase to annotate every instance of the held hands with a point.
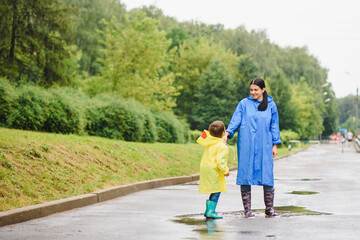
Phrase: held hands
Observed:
(225, 136)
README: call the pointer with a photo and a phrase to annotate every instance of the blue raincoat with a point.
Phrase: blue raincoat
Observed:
(258, 132)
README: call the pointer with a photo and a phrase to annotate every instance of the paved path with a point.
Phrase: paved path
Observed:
(330, 210)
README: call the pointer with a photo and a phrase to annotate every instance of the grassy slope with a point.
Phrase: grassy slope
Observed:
(39, 167)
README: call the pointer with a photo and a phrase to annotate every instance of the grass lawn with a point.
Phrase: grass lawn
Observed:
(37, 167)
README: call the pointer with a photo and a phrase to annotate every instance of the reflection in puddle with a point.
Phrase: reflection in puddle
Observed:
(302, 179)
(210, 226)
(303, 192)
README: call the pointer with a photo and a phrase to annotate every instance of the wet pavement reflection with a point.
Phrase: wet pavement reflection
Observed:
(317, 196)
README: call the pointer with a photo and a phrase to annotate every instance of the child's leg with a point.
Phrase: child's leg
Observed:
(211, 206)
(214, 197)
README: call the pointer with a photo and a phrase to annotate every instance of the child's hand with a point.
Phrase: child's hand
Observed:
(228, 174)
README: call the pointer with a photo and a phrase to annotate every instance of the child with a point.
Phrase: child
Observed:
(213, 166)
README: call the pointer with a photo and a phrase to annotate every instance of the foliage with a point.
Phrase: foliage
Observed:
(350, 124)
(194, 135)
(39, 110)
(97, 48)
(7, 94)
(331, 112)
(346, 107)
(85, 19)
(192, 59)
(280, 89)
(310, 108)
(287, 135)
(117, 118)
(34, 37)
(170, 129)
(247, 70)
(136, 61)
(215, 98)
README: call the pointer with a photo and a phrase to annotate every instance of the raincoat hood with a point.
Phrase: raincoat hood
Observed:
(270, 99)
(206, 139)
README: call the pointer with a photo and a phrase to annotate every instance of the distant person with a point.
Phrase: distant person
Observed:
(257, 119)
(349, 137)
(213, 166)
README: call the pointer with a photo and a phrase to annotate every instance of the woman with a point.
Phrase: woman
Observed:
(257, 119)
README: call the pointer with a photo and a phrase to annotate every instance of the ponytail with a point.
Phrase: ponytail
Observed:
(263, 105)
(261, 84)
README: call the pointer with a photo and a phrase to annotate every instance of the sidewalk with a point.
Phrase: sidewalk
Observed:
(328, 177)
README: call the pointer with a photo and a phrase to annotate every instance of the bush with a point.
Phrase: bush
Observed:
(29, 109)
(62, 117)
(170, 129)
(194, 135)
(121, 119)
(287, 135)
(7, 95)
(114, 120)
(65, 110)
(41, 110)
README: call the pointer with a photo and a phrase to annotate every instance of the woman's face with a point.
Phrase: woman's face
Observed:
(256, 92)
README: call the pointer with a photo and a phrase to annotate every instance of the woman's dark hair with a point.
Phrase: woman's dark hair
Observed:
(261, 84)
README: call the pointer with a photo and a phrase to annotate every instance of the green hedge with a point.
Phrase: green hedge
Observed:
(34, 108)
(7, 94)
(65, 110)
(287, 135)
(129, 120)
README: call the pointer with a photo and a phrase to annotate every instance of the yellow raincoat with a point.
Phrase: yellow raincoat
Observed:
(213, 164)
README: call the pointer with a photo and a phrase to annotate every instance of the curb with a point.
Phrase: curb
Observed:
(45, 209)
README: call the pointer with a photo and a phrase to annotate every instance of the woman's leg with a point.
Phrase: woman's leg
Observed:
(246, 198)
(269, 193)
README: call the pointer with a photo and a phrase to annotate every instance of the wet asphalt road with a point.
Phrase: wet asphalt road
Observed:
(317, 196)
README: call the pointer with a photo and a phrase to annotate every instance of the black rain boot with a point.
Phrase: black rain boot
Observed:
(246, 198)
(269, 203)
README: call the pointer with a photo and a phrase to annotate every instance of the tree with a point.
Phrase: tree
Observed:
(85, 23)
(34, 37)
(331, 114)
(136, 61)
(346, 108)
(310, 107)
(215, 100)
(247, 70)
(280, 89)
(192, 59)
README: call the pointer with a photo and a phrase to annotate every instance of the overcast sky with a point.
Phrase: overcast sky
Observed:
(329, 28)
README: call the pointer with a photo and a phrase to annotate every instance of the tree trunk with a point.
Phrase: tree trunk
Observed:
(13, 34)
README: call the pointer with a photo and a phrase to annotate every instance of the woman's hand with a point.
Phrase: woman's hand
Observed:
(228, 174)
(225, 136)
(274, 150)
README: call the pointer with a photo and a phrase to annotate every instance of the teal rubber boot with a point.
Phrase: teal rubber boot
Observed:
(210, 210)
(207, 208)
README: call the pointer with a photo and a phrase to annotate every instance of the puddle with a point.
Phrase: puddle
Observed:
(192, 184)
(202, 225)
(302, 179)
(309, 179)
(303, 192)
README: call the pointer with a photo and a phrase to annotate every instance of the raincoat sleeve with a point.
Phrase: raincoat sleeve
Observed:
(274, 127)
(222, 158)
(235, 120)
